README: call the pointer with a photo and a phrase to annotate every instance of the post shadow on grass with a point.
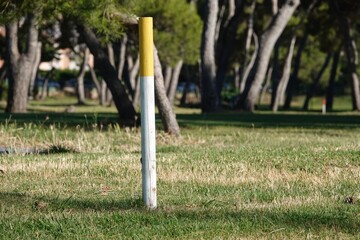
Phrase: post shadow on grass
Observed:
(312, 218)
(55, 149)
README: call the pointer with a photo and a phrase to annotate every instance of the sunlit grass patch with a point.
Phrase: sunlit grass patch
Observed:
(219, 180)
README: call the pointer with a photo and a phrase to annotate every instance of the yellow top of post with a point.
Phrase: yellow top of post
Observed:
(146, 47)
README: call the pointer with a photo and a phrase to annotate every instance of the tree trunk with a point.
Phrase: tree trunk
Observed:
(267, 42)
(330, 91)
(174, 81)
(168, 74)
(352, 58)
(124, 106)
(280, 91)
(225, 44)
(34, 71)
(295, 73)
(166, 112)
(209, 98)
(246, 72)
(80, 89)
(275, 73)
(249, 35)
(316, 81)
(95, 80)
(20, 65)
(2, 78)
(122, 55)
(266, 85)
(187, 84)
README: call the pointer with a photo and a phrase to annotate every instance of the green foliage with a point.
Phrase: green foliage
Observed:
(177, 29)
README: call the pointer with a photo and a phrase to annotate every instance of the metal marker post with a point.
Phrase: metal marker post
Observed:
(147, 88)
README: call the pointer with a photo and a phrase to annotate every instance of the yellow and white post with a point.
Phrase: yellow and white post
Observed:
(147, 88)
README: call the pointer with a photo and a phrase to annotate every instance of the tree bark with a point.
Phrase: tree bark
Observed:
(295, 73)
(2, 78)
(250, 32)
(122, 55)
(266, 85)
(280, 91)
(166, 112)
(316, 81)
(267, 42)
(34, 71)
(352, 58)
(127, 114)
(19, 64)
(330, 91)
(174, 81)
(80, 89)
(95, 80)
(226, 42)
(209, 97)
(249, 66)
(168, 74)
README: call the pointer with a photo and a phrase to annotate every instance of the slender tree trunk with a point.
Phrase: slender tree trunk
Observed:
(34, 71)
(330, 91)
(226, 42)
(266, 85)
(209, 98)
(352, 58)
(280, 91)
(44, 88)
(95, 80)
(122, 56)
(249, 66)
(80, 89)
(310, 92)
(168, 74)
(136, 97)
(174, 81)
(124, 106)
(275, 73)
(295, 73)
(267, 42)
(19, 64)
(166, 112)
(249, 35)
(185, 90)
(2, 78)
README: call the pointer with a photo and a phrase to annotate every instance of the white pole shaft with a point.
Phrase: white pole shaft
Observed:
(148, 146)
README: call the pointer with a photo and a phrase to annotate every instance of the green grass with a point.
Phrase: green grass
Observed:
(231, 175)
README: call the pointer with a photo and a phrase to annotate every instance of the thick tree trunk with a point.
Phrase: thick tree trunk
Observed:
(20, 65)
(267, 42)
(124, 106)
(166, 112)
(209, 97)
(174, 81)
(34, 71)
(280, 91)
(295, 73)
(310, 92)
(330, 91)
(80, 89)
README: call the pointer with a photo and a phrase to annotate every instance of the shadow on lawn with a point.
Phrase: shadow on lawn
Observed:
(241, 119)
(270, 120)
(339, 218)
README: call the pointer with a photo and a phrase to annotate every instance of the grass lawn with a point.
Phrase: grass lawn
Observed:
(231, 175)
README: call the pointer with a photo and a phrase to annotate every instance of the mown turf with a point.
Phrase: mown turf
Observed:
(231, 175)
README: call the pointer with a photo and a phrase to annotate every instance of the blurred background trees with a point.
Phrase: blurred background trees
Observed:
(214, 54)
